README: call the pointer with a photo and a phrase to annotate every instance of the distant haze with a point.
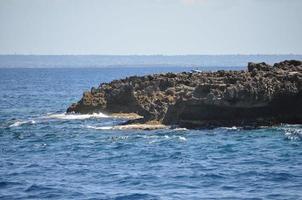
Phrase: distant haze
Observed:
(145, 27)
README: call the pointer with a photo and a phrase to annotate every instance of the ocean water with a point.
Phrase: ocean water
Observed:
(46, 154)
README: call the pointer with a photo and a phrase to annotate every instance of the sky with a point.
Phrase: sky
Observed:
(148, 27)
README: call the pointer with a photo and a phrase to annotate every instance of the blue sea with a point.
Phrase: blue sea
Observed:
(46, 154)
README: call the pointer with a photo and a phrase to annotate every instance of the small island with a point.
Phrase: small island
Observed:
(262, 95)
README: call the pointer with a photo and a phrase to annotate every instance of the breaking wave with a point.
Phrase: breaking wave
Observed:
(59, 116)
(66, 116)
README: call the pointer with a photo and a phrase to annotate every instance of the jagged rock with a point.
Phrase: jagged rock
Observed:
(258, 67)
(262, 95)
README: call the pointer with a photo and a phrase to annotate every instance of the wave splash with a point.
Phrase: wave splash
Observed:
(66, 116)
(100, 127)
(20, 123)
(293, 133)
(59, 116)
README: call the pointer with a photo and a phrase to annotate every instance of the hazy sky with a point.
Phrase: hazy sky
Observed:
(150, 26)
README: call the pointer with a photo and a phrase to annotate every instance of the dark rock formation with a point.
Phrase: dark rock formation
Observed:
(263, 95)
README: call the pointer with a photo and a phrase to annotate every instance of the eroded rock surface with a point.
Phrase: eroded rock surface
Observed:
(261, 95)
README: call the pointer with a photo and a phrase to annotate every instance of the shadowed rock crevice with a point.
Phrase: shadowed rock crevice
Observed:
(262, 95)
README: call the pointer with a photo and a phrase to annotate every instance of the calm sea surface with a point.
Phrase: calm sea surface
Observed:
(45, 154)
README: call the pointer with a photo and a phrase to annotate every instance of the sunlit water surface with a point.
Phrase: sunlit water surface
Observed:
(45, 154)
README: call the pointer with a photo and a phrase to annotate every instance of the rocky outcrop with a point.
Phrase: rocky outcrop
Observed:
(261, 95)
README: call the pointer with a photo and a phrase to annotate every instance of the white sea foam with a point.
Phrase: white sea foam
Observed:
(66, 116)
(100, 127)
(180, 129)
(293, 133)
(231, 128)
(150, 136)
(62, 116)
(20, 123)
(182, 138)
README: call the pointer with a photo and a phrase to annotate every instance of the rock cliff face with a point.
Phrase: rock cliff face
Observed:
(262, 95)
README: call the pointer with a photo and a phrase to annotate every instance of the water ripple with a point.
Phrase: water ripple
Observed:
(47, 154)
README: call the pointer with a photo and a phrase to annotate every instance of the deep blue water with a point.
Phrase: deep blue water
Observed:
(45, 154)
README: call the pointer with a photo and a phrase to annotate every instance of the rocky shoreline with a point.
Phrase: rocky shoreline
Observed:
(262, 95)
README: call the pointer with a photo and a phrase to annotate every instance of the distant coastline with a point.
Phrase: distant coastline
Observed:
(105, 61)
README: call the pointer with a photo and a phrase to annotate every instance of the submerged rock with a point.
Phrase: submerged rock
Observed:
(263, 95)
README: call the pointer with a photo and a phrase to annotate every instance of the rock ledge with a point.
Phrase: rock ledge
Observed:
(260, 96)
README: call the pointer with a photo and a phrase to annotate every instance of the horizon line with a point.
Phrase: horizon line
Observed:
(167, 55)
